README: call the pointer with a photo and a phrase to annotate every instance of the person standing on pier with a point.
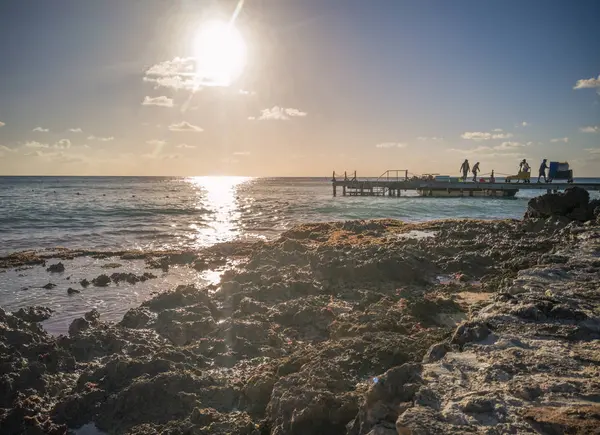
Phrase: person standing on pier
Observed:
(542, 172)
(475, 171)
(465, 169)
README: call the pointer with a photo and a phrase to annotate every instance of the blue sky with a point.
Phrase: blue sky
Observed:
(327, 84)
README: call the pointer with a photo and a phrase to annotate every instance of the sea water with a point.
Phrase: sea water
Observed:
(156, 213)
(160, 213)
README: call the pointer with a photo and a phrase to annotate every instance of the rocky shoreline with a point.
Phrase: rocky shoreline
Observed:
(360, 327)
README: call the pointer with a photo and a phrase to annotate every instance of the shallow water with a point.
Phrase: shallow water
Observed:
(161, 213)
(23, 287)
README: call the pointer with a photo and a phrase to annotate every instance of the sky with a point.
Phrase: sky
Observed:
(302, 88)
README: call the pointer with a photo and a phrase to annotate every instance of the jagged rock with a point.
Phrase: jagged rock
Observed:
(572, 203)
(101, 281)
(49, 286)
(78, 325)
(56, 268)
(34, 314)
(84, 283)
(136, 318)
(73, 291)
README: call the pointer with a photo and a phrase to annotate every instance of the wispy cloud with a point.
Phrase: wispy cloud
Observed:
(185, 146)
(590, 129)
(156, 142)
(279, 114)
(497, 133)
(390, 145)
(41, 130)
(560, 139)
(593, 150)
(101, 139)
(35, 144)
(161, 101)
(245, 92)
(173, 74)
(241, 153)
(4, 150)
(509, 146)
(2, 124)
(62, 144)
(430, 138)
(524, 124)
(75, 130)
(590, 83)
(185, 126)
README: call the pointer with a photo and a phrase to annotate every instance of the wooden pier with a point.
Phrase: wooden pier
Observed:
(393, 182)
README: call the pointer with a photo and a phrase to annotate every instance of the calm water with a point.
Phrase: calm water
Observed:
(160, 213)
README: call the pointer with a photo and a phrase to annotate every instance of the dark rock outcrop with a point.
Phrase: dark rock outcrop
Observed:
(574, 203)
(56, 268)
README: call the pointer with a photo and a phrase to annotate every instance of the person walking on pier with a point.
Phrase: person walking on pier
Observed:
(475, 171)
(542, 172)
(465, 169)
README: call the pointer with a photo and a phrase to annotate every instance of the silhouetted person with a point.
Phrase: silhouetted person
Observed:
(492, 178)
(524, 166)
(542, 172)
(475, 171)
(465, 169)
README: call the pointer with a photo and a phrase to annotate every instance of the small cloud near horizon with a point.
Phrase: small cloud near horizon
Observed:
(560, 139)
(41, 130)
(590, 129)
(75, 130)
(101, 139)
(430, 138)
(279, 114)
(184, 126)
(161, 101)
(2, 124)
(185, 146)
(241, 153)
(156, 142)
(390, 145)
(497, 133)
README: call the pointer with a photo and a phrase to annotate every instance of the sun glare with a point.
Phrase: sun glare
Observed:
(220, 53)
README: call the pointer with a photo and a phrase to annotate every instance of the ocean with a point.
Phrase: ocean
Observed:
(162, 213)
(156, 213)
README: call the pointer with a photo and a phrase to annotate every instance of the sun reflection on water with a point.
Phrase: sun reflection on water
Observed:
(218, 196)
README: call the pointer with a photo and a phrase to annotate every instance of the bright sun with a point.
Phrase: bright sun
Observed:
(220, 53)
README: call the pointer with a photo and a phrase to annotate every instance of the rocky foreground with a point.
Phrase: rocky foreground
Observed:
(337, 328)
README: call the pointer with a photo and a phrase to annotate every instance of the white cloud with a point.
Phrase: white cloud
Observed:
(390, 145)
(35, 144)
(590, 129)
(278, 114)
(593, 150)
(101, 139)
(241, 153)
(57, 156)
(497, 129)
(508, 145)
(185, 126)
(2, 124)
(430, 139)
(158, 101)
(156, 142)
(588, 83)
(560, 139)
(41, 130)
(245, 92)
(174, 74)
(185, 146)
(4, 149)
(479, 135)
(75, 130)
(524, 124)
(62, 144)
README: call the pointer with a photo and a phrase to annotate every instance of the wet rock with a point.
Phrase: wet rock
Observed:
(34, 314)
(78, 325)
(84, 283)
(136, 318)
(572, 203)
(111, 266)
(72, 291)
(101, 281)
(49, 286)
(56, 268)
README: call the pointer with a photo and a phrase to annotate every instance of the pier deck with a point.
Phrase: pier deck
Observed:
(387, 185)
